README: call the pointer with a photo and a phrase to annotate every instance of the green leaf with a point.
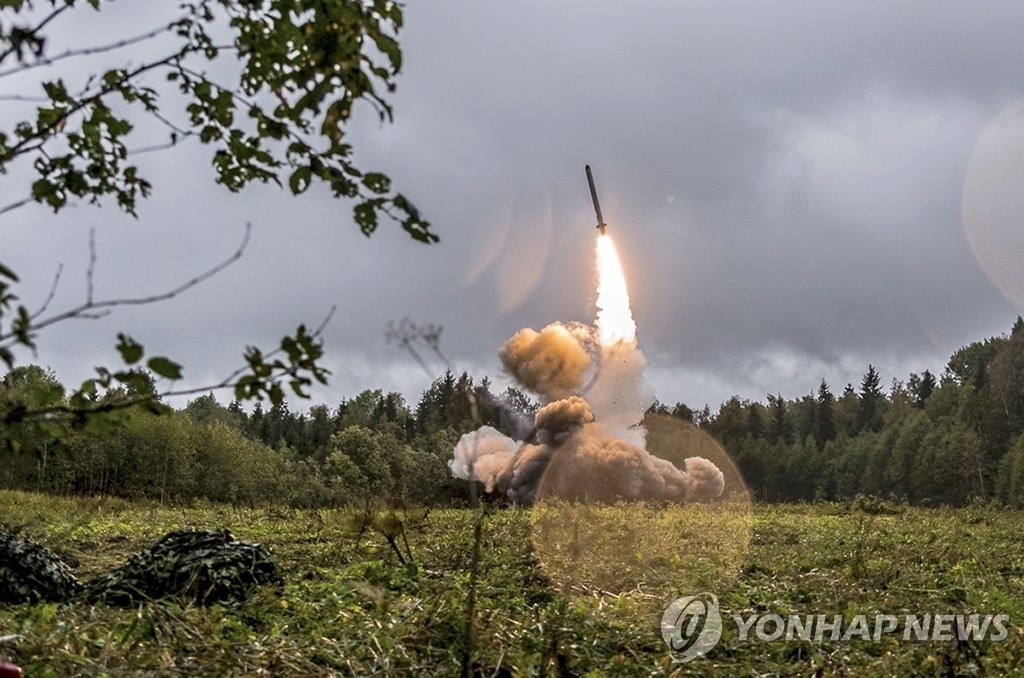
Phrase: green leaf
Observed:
(365, 214)
(377, 182)
(164, 367)
(299, 181)
(131, 351)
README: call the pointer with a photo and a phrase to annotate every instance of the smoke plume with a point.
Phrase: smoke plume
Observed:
(588, 439)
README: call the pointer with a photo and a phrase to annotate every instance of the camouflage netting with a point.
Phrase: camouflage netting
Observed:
(30, 573)
(201, 566)
(198, 566)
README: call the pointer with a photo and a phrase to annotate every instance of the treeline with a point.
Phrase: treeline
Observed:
(947, 439)
(927, 440)
(373, 446)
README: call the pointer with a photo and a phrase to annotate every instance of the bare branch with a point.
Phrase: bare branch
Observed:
(174, 128)
(152, 149)
(91, 268)
(93, 309)
(170, 294)
(53, 291)
(408, 333)
(23, 97)
(15, 205)
(85, 51)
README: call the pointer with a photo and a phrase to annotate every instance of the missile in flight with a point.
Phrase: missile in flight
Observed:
(597, 206)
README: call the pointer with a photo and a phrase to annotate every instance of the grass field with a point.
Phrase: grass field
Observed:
(560, 590)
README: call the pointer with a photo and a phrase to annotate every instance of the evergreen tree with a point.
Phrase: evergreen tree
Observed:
(824, 424)
(804, 414)
(779, 427)
(703, 418)
(921, 387)
(319, 429)
(755, 421)
(870, 403)
(681, 411)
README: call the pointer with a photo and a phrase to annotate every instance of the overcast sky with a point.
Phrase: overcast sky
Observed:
(787, 183)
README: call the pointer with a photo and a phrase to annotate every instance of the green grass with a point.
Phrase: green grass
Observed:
(562, 587)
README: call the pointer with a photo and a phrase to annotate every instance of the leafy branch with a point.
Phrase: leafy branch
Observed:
(302, 66)
(289, 76)
(293, 363)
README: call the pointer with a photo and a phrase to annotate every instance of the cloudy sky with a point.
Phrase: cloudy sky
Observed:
(797, 189)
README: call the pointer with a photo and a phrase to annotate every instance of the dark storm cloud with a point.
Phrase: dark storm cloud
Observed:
(784, 181)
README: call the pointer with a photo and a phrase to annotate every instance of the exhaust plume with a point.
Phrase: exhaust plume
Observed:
(588, 440)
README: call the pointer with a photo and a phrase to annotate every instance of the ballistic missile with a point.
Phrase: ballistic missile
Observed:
(593, 196)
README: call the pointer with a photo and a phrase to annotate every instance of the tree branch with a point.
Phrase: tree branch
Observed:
(41, 134)
(53, 291)
(230, 380)
(15, 205)
(102, 408)
(408, 333)
(85, 51)
(91, 306)
(15, 45)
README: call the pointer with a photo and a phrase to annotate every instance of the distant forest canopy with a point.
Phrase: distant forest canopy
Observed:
(933, 440)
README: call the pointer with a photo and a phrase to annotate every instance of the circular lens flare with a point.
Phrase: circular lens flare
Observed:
(626, 561)
(993, 202)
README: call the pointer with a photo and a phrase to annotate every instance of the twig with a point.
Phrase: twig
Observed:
(229, 381)
(91, 268)
(49, 297)
(408, 333)
(25, 97)
(44, 132)
(53, 15)
(84, 51)
(87, 309)
(15, 205)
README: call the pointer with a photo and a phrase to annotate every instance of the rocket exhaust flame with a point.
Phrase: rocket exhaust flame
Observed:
(614, 317)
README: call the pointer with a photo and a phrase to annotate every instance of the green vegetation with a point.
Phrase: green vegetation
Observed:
(930, 442)
(356, 602)
(268, 87)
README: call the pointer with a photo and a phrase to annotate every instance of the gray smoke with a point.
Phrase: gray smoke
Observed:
(588, 441)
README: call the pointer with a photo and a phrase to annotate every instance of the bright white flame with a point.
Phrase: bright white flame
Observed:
(614, 319)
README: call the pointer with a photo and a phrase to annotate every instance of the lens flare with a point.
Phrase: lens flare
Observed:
(993, 203)
(614, 319)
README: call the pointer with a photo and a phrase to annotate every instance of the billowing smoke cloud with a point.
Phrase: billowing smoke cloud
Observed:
(556, 422)
(483, 454)
(551, 363)
(588, 442)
